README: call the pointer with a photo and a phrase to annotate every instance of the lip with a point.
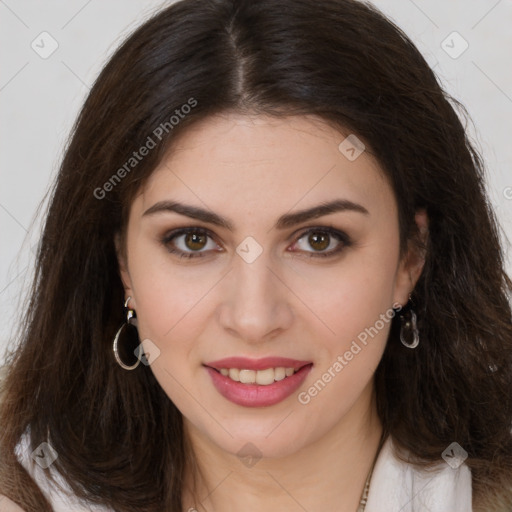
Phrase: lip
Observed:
(255, 395)
(244, 363)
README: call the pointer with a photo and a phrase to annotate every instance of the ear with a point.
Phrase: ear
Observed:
(412, 262)
(123, 267)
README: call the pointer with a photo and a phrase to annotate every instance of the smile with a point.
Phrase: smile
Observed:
(261, 377)
(260, 385)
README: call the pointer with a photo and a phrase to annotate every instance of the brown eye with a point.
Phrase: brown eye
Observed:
(195, 241)
(318, 240)
(325, 242)
(189, 243)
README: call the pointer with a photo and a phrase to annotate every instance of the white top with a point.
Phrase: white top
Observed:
(399, 486)
(61, 502)
(395, 486)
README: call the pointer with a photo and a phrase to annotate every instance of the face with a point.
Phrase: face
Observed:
(228, 255)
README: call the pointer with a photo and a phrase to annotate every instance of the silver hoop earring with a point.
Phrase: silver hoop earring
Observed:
(409, 334)
(128, 331)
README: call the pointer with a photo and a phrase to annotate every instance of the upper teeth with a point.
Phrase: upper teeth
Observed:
(262, 377)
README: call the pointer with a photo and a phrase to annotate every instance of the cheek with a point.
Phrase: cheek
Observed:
(349, 296)
(355, 306)
(168, 295)
(172, 310)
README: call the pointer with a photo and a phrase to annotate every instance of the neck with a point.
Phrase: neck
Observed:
(328, 474)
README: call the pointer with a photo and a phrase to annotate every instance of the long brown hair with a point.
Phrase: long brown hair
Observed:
(119, 438)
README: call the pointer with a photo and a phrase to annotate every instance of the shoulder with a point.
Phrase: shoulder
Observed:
(57, 492)
(400, 485)
(6, 505)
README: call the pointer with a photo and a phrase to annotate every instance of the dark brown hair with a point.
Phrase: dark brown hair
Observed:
(340, 60)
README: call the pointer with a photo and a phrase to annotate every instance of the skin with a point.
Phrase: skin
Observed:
(6, 505)
(252, 170)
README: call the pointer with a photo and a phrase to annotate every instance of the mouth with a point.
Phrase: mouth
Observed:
(257, 383)
(264, 377)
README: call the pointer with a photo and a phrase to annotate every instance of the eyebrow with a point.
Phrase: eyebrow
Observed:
(285, 221)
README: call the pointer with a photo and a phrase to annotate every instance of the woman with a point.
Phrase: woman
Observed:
(269, 276)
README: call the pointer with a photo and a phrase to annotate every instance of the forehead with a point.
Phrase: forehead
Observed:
(261, 164)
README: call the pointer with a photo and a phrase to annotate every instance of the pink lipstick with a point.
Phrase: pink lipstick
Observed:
(249, 393)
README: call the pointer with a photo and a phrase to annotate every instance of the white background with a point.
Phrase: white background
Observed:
(39, 99)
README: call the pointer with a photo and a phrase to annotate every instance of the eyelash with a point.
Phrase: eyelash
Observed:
(342, 237)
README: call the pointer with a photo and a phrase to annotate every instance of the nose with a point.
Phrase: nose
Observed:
(256, 303)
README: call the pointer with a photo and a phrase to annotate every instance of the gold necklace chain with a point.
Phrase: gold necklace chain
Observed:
(366, 488)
